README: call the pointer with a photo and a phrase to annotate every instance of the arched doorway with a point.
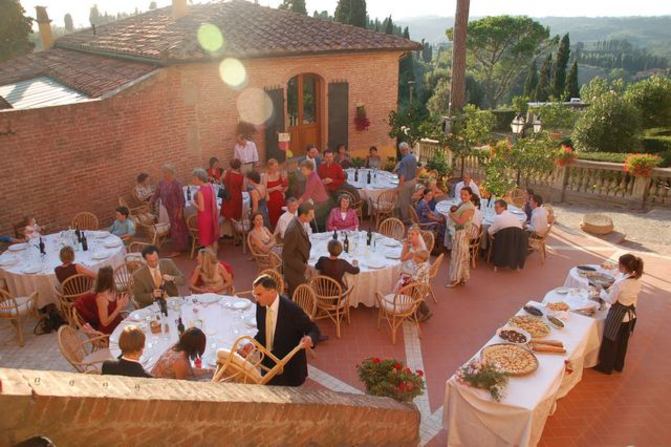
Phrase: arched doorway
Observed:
(304, 110)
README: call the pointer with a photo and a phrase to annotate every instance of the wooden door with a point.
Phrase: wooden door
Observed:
(275, 125)
(304, 100)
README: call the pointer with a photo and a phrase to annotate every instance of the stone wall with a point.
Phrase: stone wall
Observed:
(87, 410)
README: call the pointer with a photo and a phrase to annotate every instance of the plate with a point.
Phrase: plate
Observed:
(137, 316)
(100, 234)
(250, 321)
(7, 261)
(206, 299)
(511, 358)
(392, 255)
(31, 269)
(392, 243)
(562, 290)
(100, 255)
(519, 331)
(112, 243)
(18, 247)
(241, 304)
(374, 264)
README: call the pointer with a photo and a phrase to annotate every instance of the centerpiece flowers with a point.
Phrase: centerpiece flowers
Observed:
(390, 378)
(486, 376)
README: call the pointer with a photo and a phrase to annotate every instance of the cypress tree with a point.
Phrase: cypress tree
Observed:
(543, 87)
(531, 82)
(559, 75)
(357, 13)
(572, 87)
(389, 26)
(406, 33)
(342, 11)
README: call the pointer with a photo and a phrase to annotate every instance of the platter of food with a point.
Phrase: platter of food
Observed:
(556, 322)
(586, 268)
(558, 306)
(533, 325)
(533, 310)
(600, 279)
(515, 335)
(513, 359)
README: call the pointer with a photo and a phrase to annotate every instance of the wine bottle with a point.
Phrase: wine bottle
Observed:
(42, 250)
(356, 175)
(78, 234)
(85, 243)
(163, 306)
(346, 244)
(369, 237)
(188, 193)
(368, 178)
(180, 326)
(335, 235)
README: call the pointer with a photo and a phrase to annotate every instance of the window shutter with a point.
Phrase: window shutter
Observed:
(338, 96)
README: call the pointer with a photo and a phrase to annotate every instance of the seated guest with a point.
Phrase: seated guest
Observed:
(286, 217)
(412, 244)
(538, 225)
(143, 189)
(419, 270)
(426, 216)
(122, 226)
(467, 181)
(331, 173)
(214, 171)
(260, 237)
(373, 160)
(342, 217)
(503, 218)
(477, 217)
(31, 229)
(68, 267)
(343, 157)
(102, 308)
(157, 277)
(315, 193)
(210, 275)
(175, 363)
(131, 344)
(333, 267)
(527, 204)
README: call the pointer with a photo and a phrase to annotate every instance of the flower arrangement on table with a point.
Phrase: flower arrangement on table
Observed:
(391, 378)
(485, 376)
(361, 120)
(565, 156)
(641, 165)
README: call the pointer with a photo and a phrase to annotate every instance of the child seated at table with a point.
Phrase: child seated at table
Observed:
(333, 267)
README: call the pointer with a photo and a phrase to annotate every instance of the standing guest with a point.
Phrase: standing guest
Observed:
(143, 189)
(373, 160)
(343, 217)
(257, 195)
(175, 363)
(205, 202)
(155, 277)
(503, 218)
(231, 207)
(282, 325)
(407, 172)
(122, 225)
(296, 249)
(245, 151)
(276, 185)
(211, 275)
(462, 217)
(334, 267)
(131, 344)
(621, 318)
(538, 225)
(343, 157)
(413, 243)
(171, 195)
(102, 308)
(214, 171)
(527, 204)
(427, 216)
(68, 266)
(467, 181)
(311, 155)
(331, 173)
(315, 193)
(260, 237)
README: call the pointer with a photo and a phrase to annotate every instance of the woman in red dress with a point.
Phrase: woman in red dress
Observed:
(233, 180)
(102, 308)
(276, 184)
(205, 202)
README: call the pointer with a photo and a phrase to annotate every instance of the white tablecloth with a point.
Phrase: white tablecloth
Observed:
(473, 418)
(381, 181)
(103, 249)
(574, 278)
(379, 273)
(216, 315)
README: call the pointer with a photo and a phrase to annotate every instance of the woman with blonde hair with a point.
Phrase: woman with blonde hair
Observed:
(210, 275)
(276, 183)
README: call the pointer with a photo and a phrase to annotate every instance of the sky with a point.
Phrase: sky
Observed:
(399, 9)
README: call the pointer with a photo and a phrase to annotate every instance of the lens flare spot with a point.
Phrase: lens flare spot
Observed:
(254, 106)
(233, 73)
(210, 37)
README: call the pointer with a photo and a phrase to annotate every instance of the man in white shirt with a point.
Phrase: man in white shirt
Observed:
(503, 218)
(287, 217)
(539, 216)
(468, 181)
(245, 151)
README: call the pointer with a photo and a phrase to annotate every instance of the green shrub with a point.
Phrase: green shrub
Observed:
(666, 159)
(613, 157)
(652, 97)
(610, 124)
(503, 119)
(655, 145)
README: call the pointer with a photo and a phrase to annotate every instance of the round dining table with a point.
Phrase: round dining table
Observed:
(380, 182)
(222, 318)
(25, 270)
(379, 263)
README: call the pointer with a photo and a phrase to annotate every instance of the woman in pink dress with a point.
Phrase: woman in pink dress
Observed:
(276, 184)
(171, 194)
(205, 201)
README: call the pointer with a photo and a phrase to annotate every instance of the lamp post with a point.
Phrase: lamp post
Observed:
(517, 126)
(411, 87)
(538, 125)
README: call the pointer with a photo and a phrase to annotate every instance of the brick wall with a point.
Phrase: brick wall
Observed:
(84, 410)
(62, 160)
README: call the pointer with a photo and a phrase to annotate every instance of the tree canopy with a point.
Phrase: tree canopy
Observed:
(297, 6)
(15, 30)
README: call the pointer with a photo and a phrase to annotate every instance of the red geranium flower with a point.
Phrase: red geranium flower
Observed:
(420, 373)
(398, 366)
(375, 360)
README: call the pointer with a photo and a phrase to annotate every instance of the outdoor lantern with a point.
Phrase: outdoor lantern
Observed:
(537, 124)
(518, 124)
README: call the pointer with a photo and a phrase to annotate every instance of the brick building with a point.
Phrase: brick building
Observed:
(79, 120)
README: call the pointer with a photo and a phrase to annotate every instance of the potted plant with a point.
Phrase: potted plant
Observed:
(565, 156)
(641, 165)
(390, 378)
(361, 121)
(485, 376)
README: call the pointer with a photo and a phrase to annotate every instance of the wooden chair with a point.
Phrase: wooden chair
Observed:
(393, 228)
(306, 299)
(264, 261)
(85, 221)
(433, 272)
(552, 217)
(401, 306)
(82, 352)
(240, 228)
(474, 245)
(518, 197)
(276, 275)
(232, 367)
(429, 239)
(71, 289)
(135, 207)
(137, 247)
(17, 310)
(538, 243)
(123, 279)
(332, 303)
(192, 226)
(384, 206)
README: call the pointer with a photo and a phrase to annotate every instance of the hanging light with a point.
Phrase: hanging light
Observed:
(538, 125)
(518, 124)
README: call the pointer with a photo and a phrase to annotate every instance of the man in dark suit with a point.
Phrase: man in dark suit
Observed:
(296, 249)
(131, 343)
(157, 277)
(282, 325)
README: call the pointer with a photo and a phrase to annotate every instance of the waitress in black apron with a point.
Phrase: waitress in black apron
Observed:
(621, 319)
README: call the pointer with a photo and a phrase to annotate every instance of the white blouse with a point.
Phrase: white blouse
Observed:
(625, 291)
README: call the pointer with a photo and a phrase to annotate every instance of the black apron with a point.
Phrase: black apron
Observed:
(614, 320)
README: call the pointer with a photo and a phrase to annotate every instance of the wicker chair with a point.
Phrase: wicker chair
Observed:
(305, 297)
(474, 244)
(192, 225)
(401, 306)
(85, 221)
(332, 303)
(276, 275)
(433, 273)
(135, 207)
(270, 260)
(538, 243)
(384, 205)
(137, 247)
(429, 239)
(518, 197)
(71, 289)
(355, 202)
(393, 228)
(233, 368)
(81, 351)
(123, 279)
(17, 309)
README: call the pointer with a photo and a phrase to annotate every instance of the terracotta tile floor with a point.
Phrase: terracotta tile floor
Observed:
(632, 408)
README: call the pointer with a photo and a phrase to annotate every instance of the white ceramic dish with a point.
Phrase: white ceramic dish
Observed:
(241, 304)
(112, 243)
(98, 255)
(18, 247)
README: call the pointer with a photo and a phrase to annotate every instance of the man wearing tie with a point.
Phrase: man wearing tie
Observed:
(281, 326)
(156, 277)
(296, 250)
